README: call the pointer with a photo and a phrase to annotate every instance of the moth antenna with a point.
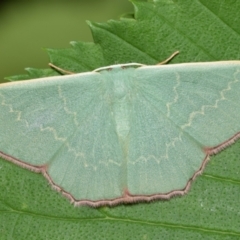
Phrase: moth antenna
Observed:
(60, 69)
(169, 58)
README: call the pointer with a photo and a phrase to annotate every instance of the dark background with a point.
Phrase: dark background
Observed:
(26, 27)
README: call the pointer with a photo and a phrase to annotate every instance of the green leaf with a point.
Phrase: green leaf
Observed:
(203, 31)
(33, 73)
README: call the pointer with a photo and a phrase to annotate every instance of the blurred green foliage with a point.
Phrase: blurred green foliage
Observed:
(26, 27)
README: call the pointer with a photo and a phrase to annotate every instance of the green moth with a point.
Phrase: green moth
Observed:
(122, 133)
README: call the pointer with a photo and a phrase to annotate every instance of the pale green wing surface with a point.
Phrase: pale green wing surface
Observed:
(123, 133)
(65, 126)
(180, 112)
